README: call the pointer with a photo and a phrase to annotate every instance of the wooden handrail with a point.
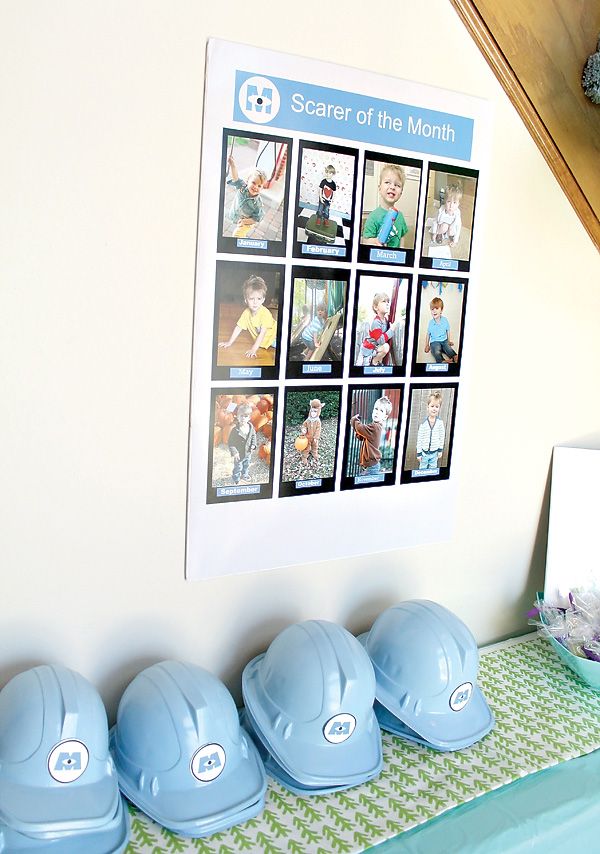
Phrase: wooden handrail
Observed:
(507, 78)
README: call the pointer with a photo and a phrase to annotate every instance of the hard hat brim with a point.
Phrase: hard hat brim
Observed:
(452, 730)
(214, 824)
(110, 838)
(51, 810)
(393, 724)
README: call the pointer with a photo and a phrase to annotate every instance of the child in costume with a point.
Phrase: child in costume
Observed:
(255, 319)
(369, 435)
(311, 428)
(391, 186)
(327, 188)
(242, 441)
(376, 346)
(247, 207)
(448, 223)
(312, 333)
(432, 434)
(438, 334)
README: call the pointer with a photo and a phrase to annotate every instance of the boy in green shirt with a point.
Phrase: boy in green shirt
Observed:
(391, 185)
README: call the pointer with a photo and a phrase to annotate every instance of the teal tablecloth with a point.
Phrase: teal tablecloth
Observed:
(556, 811)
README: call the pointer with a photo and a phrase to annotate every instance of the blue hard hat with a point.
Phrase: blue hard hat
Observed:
(111, 838)
(426, 662)
(181, 754)
(310, 700)
(56, 774)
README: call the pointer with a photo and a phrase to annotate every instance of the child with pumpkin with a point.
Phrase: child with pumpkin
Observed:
(311, 430)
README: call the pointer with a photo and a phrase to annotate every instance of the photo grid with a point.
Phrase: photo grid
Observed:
(339, 313)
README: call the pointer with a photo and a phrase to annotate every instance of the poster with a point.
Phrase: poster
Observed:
(336, 275)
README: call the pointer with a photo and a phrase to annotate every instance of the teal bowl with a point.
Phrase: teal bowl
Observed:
(585, 668)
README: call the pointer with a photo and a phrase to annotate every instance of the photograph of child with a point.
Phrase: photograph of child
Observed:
(372, 433)
(428, 444)
(246, 323)
(441, 305)
(327, 188)
(325, 206)
(390, 202)
(254, 193)
(317, 322)
(310, 440)
(241, 454)
(449, 217)
(380, 324)
(311, 333)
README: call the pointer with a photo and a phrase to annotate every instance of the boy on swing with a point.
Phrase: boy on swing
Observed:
(247, 207)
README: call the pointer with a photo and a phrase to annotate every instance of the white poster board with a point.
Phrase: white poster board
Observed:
(572, 554)
(325, 409)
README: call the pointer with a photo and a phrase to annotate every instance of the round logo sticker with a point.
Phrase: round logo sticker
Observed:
(461, 696)
(68, 760)
(259, 100)
(208, 762)
(339, 728)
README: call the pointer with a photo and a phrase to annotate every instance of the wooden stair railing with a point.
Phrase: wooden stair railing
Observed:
(537, 52)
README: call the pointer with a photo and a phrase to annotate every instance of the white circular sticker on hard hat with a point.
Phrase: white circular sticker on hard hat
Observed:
(339, 728)
(208, 763)
(68, 760)
(461, 696)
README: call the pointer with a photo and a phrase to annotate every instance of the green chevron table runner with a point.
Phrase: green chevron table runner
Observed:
(544, 715)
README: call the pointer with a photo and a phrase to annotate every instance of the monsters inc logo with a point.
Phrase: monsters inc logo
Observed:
(259, 99)
(68, 760)
(339, 728)
(461, 696)
(208, 763)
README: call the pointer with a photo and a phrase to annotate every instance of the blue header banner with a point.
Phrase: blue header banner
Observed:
(292, 105)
